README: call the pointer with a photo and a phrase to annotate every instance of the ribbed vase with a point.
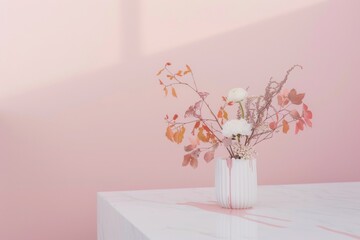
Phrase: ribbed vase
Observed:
(236, 183)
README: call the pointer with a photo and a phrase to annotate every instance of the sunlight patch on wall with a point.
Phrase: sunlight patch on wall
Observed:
(168, 24)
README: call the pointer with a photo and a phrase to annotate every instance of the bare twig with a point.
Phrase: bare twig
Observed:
(195, 89)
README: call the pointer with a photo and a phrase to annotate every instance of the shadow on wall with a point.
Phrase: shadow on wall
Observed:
(60, 144)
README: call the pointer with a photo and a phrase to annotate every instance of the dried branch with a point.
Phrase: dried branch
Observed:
(272, 90)
(195, 89)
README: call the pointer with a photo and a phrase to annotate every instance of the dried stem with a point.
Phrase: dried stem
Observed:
(195, 89)
(273, 88)
(269, 135)
(189, 122)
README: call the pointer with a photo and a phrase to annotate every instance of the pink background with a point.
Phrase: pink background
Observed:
(81, 110)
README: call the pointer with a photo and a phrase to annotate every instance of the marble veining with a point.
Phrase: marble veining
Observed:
(241, 213)
(328, 211)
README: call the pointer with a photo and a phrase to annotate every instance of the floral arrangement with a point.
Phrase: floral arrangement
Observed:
(257, 119)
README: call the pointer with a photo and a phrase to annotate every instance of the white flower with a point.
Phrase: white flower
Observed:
(237, 95)
(235, 127)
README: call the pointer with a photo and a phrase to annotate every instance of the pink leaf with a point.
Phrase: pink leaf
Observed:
(296, 129)
(295, 114)
(286, 101)
(186, 160)
(305, 107)
(273, 125)
(194, 158)
(197, 106)
(302, 121)
(189, 148)
(193, 111)
(194, 162)
(296, 98)
(306, 112)
(195, 153)
(203, 95)
(308, 122)
(209, 156)
(282, 98)
(190, 112)
(299, 126)
(191, 158)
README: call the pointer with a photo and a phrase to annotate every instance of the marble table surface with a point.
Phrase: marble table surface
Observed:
(308, 212)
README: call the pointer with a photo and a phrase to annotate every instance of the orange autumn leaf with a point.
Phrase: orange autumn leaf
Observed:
(196, 125)
(160, 72)
(176, 137)
(182, 133)
(220, 114)
(201, 135)
(169, 133)
(173, 92)
(188, 70)
(161, 82)
(285, 126)
(175, 117)
(166, 91)
(183, 129)
(171, 77)
(179, 73)
(209, 136)
(225, 115)
(179, 135)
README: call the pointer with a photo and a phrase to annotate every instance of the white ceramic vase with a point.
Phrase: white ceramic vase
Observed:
(236, 183)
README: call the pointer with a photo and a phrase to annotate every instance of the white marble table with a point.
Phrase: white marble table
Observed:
(307, 212)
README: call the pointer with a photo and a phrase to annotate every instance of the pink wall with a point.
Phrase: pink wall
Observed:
(81, 110)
